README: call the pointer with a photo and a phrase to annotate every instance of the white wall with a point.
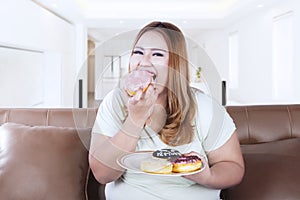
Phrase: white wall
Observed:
(255, 54)
(14, 83)
(210, 77)
(24, 24)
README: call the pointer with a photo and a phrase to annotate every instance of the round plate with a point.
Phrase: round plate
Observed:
(132, 162)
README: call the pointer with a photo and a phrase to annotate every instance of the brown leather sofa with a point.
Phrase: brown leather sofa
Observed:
(43, 153)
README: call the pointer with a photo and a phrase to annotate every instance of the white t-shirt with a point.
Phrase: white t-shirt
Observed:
(213, 127)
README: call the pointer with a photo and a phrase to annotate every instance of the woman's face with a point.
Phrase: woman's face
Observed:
(151, 53)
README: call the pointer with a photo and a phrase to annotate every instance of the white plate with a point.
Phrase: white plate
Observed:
(132, 162)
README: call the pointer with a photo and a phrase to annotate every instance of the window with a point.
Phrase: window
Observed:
(283, 58)
(233, 60)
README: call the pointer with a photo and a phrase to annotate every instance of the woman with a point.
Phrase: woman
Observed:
(169, 114)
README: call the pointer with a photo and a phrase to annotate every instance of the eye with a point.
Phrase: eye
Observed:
(139, 52)
(158, 54)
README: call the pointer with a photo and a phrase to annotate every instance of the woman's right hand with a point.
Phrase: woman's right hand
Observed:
(140, 106)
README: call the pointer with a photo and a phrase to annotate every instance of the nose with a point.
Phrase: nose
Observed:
(145, 60)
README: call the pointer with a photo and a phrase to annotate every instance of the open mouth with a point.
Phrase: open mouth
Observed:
(154, 77)
(152, 73)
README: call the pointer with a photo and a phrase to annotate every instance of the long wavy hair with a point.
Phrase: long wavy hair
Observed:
(180, 109)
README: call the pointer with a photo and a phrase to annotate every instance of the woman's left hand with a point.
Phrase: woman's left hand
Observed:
(204, 174)
(225, 166)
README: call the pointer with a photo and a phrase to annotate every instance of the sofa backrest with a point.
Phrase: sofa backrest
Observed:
(265, 123)
(65, 117)
(255, 123)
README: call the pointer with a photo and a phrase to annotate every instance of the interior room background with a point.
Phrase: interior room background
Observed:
(43, 57)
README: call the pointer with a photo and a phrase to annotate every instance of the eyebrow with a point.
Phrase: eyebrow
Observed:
(152, 49)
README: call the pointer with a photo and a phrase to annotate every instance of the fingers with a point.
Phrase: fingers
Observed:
(141, 105)
(136, 98)
(193, 153)
(151, 93)
(149, 96)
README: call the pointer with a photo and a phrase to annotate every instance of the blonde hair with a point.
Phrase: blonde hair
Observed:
(180, 108)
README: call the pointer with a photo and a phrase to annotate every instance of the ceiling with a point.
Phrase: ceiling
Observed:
(106, 18)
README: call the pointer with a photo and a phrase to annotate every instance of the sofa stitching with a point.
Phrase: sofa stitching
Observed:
(290, 120)
(87, 118)
(47, 117)
(86, 183)
(6, 115)
(247, 121)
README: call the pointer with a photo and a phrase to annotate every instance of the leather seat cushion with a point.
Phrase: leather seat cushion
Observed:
(273, 168)
(42, 162)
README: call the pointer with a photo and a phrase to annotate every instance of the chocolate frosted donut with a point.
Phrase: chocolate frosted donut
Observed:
(187, 159)
(187, 164)
(169, 154)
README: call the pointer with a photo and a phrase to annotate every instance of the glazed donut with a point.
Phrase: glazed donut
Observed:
(186, 164)
(138, 79)
(156, 166)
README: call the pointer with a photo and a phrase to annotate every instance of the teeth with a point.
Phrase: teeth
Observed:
(153, 74)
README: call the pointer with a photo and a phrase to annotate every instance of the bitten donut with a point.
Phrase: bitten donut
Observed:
(156, 166)
(187, 164)
(138, 79)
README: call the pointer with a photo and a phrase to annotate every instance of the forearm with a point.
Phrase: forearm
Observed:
(221, 175)
(105, 151)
